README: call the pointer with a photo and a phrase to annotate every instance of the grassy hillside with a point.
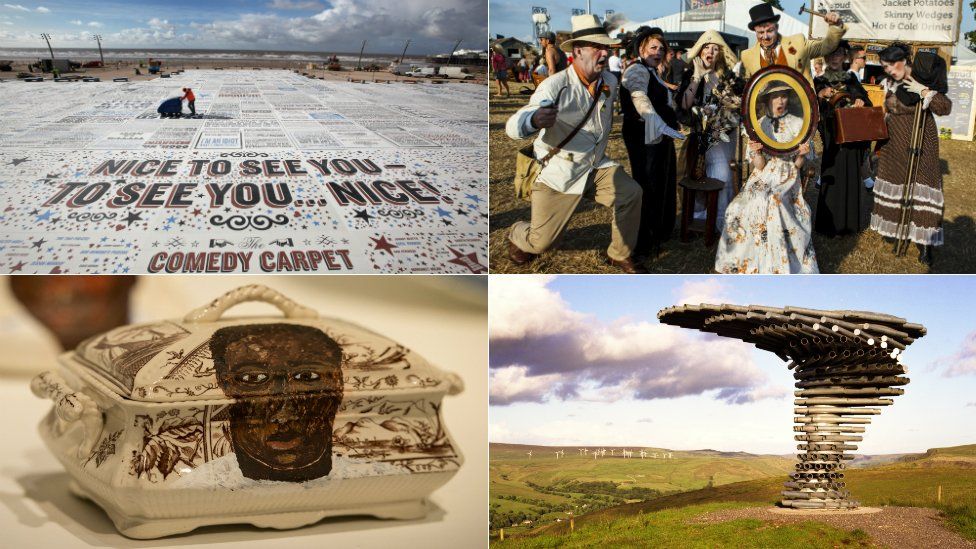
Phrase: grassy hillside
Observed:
(675, 528)
(543, 488)
(914, 481)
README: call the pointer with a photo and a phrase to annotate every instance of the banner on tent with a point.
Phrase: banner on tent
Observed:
(702, 10)
(930, 21)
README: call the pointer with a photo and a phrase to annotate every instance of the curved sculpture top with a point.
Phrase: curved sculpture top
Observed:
(843, 361)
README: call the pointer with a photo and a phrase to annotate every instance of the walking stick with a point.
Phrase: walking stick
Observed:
(915, 151)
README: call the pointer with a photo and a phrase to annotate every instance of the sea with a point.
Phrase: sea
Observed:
(141, 54)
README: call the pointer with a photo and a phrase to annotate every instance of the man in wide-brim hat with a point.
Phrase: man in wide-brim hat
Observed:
(794, 51)
(581, 166)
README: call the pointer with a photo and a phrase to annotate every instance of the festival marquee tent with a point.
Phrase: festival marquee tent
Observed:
(965, 57)
(736, 22)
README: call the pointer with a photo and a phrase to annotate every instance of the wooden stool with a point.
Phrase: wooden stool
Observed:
(690, 188)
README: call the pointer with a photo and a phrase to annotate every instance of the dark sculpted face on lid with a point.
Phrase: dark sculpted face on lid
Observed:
(288, 382)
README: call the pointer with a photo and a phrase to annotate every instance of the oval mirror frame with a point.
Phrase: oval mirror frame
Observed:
(807, 99)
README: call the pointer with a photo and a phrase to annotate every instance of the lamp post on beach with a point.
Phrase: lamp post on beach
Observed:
(451, 57)
(359, 64)
(47, 38)
(98, 38)
(404, 52)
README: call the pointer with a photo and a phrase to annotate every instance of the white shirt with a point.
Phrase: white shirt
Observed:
(789, 127)
(613, 64)
(567, 171)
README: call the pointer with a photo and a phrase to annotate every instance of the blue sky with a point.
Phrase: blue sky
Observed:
(635, 382)
(513, 18)
(314, 25)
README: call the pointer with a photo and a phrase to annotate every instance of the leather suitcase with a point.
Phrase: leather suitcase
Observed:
(856, 124)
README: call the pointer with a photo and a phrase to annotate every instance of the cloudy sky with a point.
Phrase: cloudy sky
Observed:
(513, 18)
(433, 26)
(583, 361)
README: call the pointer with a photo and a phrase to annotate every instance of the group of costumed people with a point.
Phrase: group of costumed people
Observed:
(767, 226)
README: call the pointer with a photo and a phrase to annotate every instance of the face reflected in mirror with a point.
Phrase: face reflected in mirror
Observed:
(779, 103)
(287, 380)
(782, 110)
(897, 70)
(783, 114)
(652, 50)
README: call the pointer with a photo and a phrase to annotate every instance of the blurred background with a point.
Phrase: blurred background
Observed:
(41, 316)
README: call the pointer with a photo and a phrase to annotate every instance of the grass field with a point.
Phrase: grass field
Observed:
(543, 488)
(913, 481)
(588, 233)
(673, 528)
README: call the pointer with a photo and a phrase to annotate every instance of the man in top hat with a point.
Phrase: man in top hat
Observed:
(555, 59)
(581, 167)
(795, 51)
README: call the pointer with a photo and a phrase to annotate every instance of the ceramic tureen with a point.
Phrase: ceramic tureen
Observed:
(273, 421)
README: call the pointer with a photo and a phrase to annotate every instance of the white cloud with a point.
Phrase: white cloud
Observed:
(95, 24)
(523, 304)
(157, 31)
(510, 384)
(499, 432)
(431, 25)
(345, 23)
(543, 349)
(42, 9)
(963, 361)
(696, 291)
(292, 5)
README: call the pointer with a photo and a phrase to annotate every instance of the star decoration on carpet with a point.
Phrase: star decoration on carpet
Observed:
(470, 261)
(131, 217)
(18, 267)
(383, 244)
(17, 161)
(364, 215)
(37, 244)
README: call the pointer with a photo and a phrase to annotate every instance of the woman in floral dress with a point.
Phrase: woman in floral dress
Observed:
(767, 226)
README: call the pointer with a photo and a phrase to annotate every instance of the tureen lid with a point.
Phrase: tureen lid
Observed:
(206, 356)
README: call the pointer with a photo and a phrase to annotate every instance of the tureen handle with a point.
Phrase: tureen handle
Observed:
(71, 406)
(212, 311)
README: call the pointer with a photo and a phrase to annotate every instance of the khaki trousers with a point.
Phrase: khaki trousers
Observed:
(551, 210)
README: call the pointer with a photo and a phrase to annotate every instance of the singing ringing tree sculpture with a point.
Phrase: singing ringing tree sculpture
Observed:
(845, 364)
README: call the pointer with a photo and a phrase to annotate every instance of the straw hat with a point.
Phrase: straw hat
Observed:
(771, 88)
(587, 28)
(713, 37)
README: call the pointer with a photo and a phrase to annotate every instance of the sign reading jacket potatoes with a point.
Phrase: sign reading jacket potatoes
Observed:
(930, 21)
